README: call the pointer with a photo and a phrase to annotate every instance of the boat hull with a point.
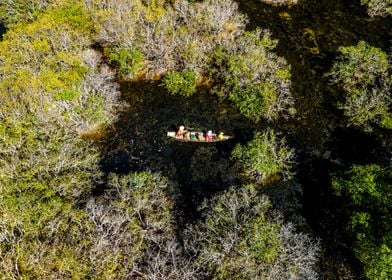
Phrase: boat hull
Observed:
(198, 137)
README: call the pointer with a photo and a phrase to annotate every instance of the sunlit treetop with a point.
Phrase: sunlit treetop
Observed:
(378, 7)
(364, 74)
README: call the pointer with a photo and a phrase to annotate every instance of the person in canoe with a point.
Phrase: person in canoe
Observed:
(180, 132)
(221, 136)
(209, 136)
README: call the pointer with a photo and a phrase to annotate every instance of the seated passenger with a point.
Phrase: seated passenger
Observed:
(209, 136)
(220, 136)
(180, 132)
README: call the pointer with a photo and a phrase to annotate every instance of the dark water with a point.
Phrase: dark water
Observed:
(138, 140)
(151, 112)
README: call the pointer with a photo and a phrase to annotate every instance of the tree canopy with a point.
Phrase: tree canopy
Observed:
(368, 191)
(237, 239)
(265, 155)
(378, 7)
(364, 73)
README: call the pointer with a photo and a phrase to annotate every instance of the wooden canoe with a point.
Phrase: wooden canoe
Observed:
(199, 137)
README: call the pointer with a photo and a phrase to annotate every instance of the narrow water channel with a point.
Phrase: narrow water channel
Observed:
(138, 140)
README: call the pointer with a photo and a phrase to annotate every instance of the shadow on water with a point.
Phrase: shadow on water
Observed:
(3, 30)
(138, 141)
(309, 35)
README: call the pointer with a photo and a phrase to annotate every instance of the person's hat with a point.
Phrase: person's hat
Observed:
(182, 127)
(209, 132)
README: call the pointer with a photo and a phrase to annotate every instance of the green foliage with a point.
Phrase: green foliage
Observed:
(46, 170)
(365, 185)
(256, 81)
(367, 190)
(222, 237)
(378, 261)
(235, 239)
(66, 95)
(40, 231)
(363, 72)
(254, 100)
(181, 83)
(262, 240)
(378, 7)
(386, 121)
(74, 14)
(129, 61)
(134, 228)
(359, 66)
(265, 155)
(12, 11)
(145, 193)
(26, 11)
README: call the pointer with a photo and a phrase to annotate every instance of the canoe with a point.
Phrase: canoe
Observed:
(198, 137)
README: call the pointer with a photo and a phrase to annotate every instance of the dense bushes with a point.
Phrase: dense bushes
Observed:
(202, 40)
(52, 87)
(128, 61)
(367, 191)
(13, 11)
(364, 73)
(265, 155)
(255, 79)
(236, 239)
(134, 234)
(183, 83)
(378, 7)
